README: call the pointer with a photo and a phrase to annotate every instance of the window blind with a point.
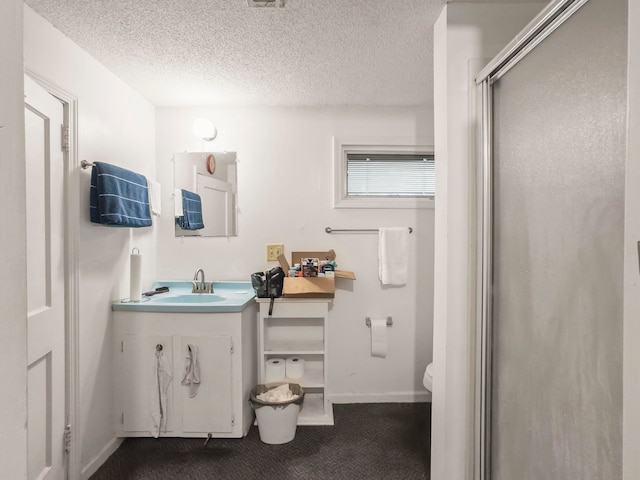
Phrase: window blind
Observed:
(390, 175)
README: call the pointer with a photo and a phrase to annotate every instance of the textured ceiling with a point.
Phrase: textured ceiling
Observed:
(221, 52)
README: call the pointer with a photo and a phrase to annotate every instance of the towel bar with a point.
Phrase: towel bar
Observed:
(86, 164)
(389, 321)
(368, 230)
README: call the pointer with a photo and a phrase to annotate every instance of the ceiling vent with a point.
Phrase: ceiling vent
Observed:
(266, 3)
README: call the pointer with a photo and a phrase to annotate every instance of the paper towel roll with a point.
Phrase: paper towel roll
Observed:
(275, 369)
(135, 282)
(379, 337)
(295, 367)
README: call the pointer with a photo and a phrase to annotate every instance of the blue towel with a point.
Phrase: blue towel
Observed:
(192, 209)
(118, 197)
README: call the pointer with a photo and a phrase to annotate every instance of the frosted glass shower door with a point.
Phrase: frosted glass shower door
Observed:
(558, 199)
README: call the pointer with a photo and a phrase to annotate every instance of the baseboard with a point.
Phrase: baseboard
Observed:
(392, 397)
(97, 461)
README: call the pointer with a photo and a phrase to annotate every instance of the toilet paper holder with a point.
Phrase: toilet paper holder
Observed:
(368, 322)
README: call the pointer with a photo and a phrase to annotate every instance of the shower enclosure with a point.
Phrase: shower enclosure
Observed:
(554, 122)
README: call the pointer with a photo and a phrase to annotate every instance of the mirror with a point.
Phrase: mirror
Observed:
(213, 176)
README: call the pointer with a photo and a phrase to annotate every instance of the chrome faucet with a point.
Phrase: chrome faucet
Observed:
(201, 286)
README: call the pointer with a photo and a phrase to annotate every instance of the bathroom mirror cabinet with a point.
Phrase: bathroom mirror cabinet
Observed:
(213, 176)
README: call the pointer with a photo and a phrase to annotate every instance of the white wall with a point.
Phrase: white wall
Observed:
(285, 181)
(13, 279)
(115, 125)
(464, 36)
(631, 356)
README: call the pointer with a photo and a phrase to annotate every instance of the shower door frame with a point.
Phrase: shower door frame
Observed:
(545, 23)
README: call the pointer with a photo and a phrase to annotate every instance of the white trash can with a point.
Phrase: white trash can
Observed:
(277, 421)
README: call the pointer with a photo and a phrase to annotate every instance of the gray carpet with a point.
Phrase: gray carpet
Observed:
(368, 441)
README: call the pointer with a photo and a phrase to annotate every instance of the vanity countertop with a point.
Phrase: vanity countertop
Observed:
(226, 297)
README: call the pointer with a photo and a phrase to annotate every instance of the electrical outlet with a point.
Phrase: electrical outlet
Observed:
(274, 250)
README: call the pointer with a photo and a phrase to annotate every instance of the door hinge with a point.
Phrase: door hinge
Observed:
(122, 418)
(231, 346)
(67, 439)
(233, 420)
(65, 138)
(121, 346)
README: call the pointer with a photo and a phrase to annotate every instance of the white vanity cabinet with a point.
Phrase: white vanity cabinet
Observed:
(226, 352)
(298, 328)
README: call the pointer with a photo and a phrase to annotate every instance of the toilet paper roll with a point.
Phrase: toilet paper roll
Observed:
(295, 367)
(275, 369)
(135, 282)
(379, 337)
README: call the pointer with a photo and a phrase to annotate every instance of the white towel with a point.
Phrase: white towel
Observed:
(192, 370)
(393, 255)
(155, 197)
(158, 394)
(177, 203)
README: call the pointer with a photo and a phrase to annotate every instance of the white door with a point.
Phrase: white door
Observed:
(216, 195)
(46, 406)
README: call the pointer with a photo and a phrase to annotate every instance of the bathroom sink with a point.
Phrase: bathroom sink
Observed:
(190, 298)
(227, 297)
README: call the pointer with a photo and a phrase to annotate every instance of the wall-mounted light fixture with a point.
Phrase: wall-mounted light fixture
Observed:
(204, 129)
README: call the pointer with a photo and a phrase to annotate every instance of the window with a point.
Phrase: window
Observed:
(384, 176)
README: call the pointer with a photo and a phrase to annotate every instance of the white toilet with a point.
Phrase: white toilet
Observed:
(428, 377)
